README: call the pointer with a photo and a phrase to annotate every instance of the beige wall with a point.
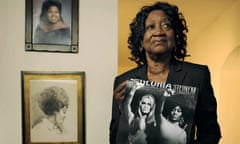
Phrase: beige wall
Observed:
(213, 40)
(98, 47)
(217, 45)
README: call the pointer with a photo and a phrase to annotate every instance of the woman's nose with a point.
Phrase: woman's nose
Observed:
(174, 111)
(158, 31)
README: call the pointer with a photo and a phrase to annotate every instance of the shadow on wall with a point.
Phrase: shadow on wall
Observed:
(233, 60)
(229, 92)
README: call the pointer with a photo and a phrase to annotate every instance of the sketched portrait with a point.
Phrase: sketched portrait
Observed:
(53, 110)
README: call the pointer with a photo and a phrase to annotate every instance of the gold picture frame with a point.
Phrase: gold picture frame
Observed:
(53, 107)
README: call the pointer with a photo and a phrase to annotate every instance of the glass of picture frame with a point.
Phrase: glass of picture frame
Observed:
(53, 107)
(52, 26)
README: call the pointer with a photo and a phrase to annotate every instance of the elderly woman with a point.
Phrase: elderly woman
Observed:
(53, 101)
(158, 44)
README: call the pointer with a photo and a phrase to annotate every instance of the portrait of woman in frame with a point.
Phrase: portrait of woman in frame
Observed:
(53, 107)
(52, 25)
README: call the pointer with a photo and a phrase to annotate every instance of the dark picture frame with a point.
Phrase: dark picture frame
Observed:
(69, 14)
(37, 87)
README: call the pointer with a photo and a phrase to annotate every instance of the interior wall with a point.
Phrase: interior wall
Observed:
(216, 46)
(213, 42)
(97, 57)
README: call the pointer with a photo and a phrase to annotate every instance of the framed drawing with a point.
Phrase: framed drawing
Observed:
(52, 26)
(53, 107)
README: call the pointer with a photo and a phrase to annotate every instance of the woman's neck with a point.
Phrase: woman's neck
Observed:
(52, 119)
(176, 123)
(158, 70)
(51, 27)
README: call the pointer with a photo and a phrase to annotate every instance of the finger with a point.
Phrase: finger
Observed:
(121, 94)
(120, 91)
(120, 87)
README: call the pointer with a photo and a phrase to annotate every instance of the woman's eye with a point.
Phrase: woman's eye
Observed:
(166, 26)
(150, 27)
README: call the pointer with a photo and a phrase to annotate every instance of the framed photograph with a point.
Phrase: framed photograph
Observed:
(53, 107)
(52, 26)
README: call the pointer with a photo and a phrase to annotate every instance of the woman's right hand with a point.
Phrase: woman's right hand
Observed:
(119, 91)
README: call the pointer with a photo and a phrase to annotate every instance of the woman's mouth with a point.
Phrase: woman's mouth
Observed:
(159, 41)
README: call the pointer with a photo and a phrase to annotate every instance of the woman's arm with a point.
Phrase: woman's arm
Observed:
(128, 101)
(208, 130)
(118, 96)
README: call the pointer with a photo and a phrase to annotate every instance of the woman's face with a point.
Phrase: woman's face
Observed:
(145, 105)
(176, 113)
(53, 14)
(61, 115)
(159, 36)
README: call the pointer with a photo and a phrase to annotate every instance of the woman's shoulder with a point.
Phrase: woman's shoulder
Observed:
(57, 27)
(133, 72)
(64, 30)
(193, 70)
(136, 72)
(194, 67)
(196, 72)
(130, 71)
